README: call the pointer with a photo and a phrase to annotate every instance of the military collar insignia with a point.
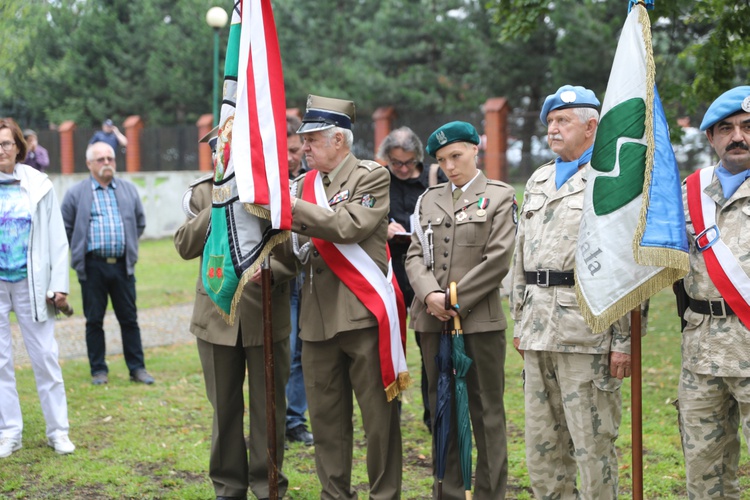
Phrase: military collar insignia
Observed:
(441, 137)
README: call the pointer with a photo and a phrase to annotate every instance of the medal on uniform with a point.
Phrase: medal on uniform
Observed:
(339, 197)
(482, 204)
(368, 201)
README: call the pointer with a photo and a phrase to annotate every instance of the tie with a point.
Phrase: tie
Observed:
(326, 181)
(457, 194)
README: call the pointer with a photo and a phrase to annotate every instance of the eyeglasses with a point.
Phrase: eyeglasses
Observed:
(399, 164)
(7, 145)
(104, 159)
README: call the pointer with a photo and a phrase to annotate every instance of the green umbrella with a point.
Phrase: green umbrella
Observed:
(461, 364)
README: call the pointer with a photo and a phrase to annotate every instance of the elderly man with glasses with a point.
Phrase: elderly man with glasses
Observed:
(103, 219)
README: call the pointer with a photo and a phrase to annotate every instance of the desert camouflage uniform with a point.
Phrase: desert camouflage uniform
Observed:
(573, 405)
(714, 390)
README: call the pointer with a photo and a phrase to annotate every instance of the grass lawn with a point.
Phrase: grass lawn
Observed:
(137, 441)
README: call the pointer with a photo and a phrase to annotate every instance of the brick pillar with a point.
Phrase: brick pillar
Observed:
(133, 126)
(205, 123)
(383, 121)
(67, 156)
(496, 128)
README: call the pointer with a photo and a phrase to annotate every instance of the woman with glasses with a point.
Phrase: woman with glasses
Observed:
(33, 261)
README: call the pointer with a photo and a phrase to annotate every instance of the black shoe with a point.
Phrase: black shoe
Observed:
(300, 434)
(99, 378)
(141, 376)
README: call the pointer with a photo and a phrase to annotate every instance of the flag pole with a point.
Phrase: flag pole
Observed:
(636, 411)
(273, 472)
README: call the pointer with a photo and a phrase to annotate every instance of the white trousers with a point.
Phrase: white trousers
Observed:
(41, 345)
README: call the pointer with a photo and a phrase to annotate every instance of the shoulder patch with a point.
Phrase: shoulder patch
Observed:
(199, 180)
(369, 164)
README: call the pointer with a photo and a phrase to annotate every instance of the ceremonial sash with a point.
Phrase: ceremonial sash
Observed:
(379, 294)
(723, 268)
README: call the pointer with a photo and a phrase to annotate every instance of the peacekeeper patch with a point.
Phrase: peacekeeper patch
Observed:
(515, 210)
(368, 201)
(339, 197)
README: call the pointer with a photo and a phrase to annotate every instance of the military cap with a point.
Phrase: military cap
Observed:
(450, 133)
(730, 102)
(323, 113)
(569, 96)
(211, 137)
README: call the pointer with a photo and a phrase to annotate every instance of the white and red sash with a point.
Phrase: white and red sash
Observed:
(723, 268)
(380, 294)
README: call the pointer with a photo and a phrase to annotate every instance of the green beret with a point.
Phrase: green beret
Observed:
(450, 133)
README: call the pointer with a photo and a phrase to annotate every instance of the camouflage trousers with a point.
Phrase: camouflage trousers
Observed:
(573, 410)
(711, 411)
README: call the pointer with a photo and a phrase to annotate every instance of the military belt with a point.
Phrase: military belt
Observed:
(716, 308)
(545, 278)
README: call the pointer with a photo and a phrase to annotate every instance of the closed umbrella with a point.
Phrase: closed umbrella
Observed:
(442, 419)
(461, 364)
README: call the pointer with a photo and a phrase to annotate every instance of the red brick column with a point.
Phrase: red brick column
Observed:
(205, 123)
(67, 156)
(133, 126)
(383, 120)
(496, 128)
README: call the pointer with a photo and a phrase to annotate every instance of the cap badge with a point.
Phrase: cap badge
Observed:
(440, 136)
(746, 104)
(568, 96)
(309, 101)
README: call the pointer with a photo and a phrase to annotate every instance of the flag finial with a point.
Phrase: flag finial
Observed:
(649, 4)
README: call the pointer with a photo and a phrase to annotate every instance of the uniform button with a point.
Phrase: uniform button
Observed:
(445, 254)
(447, 224)
(529, 215)
(304, 227)
(445, 267)
(447, 239)
(318, 270)
(316, 253)
(484, 257)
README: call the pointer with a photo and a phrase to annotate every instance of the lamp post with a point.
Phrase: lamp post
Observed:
(216, 17)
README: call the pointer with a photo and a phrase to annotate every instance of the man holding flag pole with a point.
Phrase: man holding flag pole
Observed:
(352, 322)
(714, 390)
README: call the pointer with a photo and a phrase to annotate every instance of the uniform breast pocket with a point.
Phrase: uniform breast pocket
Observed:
(471, 232)
(573, 219)
(744, 238)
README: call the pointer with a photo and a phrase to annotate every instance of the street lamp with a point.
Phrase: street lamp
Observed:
(216, 17)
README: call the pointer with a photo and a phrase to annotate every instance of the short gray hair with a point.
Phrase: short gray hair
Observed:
(89, 149)
(348, 135)
(585, 114)
(403, 138)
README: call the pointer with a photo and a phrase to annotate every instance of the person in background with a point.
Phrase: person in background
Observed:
(111, 135)
(33, 261)
(473, 219)
(403, 153)
(103, 220)
(296, 423)
(227, 352)
(714, 386)
(36, 155)
(572, 375)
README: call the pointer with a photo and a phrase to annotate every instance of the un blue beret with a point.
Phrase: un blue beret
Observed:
(727, 104)
(450, 133)
(568, 96)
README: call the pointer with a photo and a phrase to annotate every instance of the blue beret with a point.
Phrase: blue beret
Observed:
(450, 133)
(569, 96)
(728, 103)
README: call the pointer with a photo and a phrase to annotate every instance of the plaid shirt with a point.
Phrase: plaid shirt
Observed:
(106, 236)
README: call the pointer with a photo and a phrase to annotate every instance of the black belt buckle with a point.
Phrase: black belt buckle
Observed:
(542, 278)
(718, 308)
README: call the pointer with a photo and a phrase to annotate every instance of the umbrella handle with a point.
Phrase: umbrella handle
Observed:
(453, 292)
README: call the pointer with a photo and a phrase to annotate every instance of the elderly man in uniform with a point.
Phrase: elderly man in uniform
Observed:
(572, 375)
(714, 390)
(472, 221)
(341, 207)
(226, 351)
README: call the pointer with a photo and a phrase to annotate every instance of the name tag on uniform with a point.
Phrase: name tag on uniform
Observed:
(339, 197)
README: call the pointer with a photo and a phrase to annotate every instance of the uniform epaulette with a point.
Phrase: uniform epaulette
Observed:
(498, 183)
(439, 184)
(369, 164)
(204, 178)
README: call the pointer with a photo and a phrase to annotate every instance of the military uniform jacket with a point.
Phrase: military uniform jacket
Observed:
(548, 318)
(358, 196)
(206, 322)
(472, 249)
(717, 346)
